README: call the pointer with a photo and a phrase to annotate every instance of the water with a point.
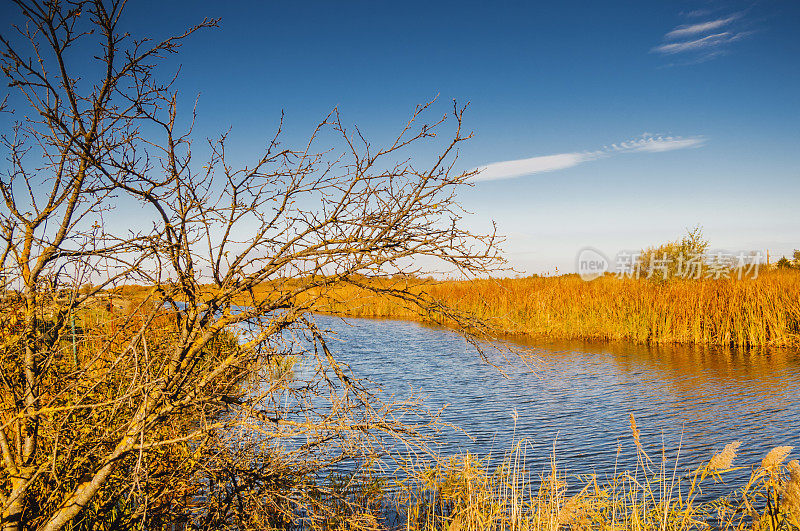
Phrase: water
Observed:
(578, 396)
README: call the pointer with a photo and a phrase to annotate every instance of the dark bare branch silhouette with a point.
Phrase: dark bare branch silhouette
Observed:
(234, 261)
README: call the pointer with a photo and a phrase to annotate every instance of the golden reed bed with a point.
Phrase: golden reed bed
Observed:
(759, 312)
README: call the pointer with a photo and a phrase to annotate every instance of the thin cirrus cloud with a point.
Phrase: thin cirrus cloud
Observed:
(704, 43)
(694, 29)
(702, 40)
(510, 169)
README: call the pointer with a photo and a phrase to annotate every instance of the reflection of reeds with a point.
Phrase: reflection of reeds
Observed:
(764, 311)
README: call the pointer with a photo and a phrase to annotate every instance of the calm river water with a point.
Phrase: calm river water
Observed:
(578, 396)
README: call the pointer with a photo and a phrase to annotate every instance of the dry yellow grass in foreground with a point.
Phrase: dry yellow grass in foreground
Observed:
(464, 494)
(764, 311)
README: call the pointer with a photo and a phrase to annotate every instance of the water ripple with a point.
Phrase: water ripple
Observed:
(579, 395)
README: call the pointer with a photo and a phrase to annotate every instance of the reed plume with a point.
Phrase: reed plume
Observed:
(775, 457)
(724, 459)
(790, 498)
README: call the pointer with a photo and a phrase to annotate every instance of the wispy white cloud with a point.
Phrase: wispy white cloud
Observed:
(652, 144)
(510, 169)
(702, 41)
(703, 27)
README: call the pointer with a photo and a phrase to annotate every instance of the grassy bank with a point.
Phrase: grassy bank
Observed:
(751, 312)
(760, 312)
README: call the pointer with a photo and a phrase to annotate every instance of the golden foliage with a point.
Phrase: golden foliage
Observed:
(759, 312)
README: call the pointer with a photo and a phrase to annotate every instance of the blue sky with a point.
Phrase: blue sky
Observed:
(653, 116)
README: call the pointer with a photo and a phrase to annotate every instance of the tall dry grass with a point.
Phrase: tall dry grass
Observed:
(466, 493)
(764, 311)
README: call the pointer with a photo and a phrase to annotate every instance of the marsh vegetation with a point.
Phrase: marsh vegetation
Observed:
(181, 404)
(748, 312)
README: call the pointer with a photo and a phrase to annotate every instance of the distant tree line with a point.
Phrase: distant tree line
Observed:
(786, 263)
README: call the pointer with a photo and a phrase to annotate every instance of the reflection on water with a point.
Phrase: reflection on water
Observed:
(579, 395)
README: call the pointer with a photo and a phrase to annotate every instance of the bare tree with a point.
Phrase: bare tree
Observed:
(225, 247)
